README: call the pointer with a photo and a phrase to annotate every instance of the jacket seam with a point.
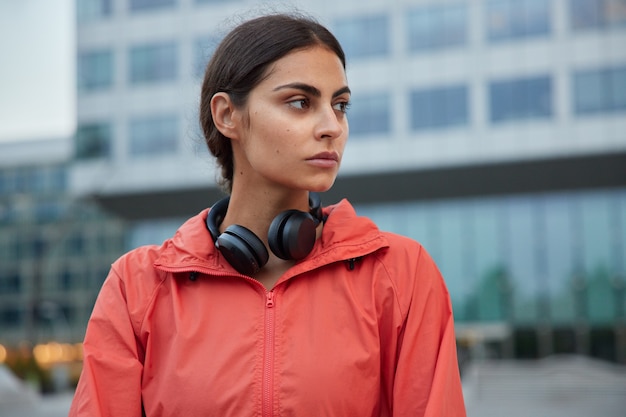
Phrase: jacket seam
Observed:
(138, 324)
(394, 285)
(404, 309)
(153, 298)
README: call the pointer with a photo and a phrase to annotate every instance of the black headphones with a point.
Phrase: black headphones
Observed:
(291, 236)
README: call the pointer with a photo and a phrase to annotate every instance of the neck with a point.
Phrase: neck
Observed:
(256, 208)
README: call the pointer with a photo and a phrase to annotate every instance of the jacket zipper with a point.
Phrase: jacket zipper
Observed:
(268, 357)
(267, 379)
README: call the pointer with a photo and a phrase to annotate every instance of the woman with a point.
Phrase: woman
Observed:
(336, 319)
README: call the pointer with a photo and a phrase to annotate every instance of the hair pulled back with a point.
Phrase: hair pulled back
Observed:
(240, 63)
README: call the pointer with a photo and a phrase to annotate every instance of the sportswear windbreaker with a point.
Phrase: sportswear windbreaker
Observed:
(361, 327)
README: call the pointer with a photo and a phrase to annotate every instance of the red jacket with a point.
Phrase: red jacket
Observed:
(361, 327)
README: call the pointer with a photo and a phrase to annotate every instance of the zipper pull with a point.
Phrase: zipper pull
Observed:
(269, 302)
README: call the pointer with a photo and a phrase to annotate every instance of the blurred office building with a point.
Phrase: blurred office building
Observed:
(492, 131)
(54, 251)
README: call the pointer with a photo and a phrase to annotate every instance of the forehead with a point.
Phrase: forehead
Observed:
(315, 65)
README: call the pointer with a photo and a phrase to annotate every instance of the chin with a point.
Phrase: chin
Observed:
(321, 186)
(315, 183)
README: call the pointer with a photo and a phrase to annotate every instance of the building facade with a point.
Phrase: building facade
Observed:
(493, 131)
(54, 250)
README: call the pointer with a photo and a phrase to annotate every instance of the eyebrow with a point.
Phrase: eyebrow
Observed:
(312, 90)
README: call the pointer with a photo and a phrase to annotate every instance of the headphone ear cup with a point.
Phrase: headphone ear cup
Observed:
(292, 234)
(243, 250)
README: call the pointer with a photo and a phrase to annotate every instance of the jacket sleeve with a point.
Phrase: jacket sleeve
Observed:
(427, 380)
(110, 382)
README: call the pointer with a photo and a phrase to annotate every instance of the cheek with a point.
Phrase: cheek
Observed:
(341, 142)
(268, 142)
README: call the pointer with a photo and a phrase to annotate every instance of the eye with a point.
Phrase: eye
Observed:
(301, 103)
(342, 106)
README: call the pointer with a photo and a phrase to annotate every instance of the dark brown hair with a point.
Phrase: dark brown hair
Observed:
(241, 61)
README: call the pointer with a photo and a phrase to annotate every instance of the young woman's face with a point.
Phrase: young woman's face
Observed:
(295, 126)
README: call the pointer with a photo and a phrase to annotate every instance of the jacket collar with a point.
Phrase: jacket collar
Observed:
(344, 236)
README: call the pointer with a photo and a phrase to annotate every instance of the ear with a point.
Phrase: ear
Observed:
(225, 115)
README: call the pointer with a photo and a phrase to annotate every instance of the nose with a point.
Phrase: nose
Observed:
(331, 123)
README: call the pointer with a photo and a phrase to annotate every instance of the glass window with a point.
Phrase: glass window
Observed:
(153, 63)
(596, 230)
(504, 257)
(364, 36)
(57, 179)
(370, 113)
(204, 48)
(492, 287)
(48, 211)
(439, 107)
(560, 257)
(437, 27)
(10, 283)
(510, 19)
(93, 140)
(37, 180)
(213, 1)
(95, 70)
(87, 10)
(11, 317)
(153, 135)
(452, 260)
(4, 183)
(600, 90)
(140, 5)
(25, 179)
(8, 181)
(597, 14)
(10, 245)
(521, 256)
(519, 99)
(75, 244)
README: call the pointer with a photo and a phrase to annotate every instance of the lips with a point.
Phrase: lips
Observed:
(332, 156)
(324, 160)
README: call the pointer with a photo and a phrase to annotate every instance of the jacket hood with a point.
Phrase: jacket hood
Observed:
(344, 236)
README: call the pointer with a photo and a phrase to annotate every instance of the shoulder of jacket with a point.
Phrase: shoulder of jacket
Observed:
(141, 253)
(409, 265)
(137, 280)
(401, 240)
(401, 247)
(137, 265)
(409, 253)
